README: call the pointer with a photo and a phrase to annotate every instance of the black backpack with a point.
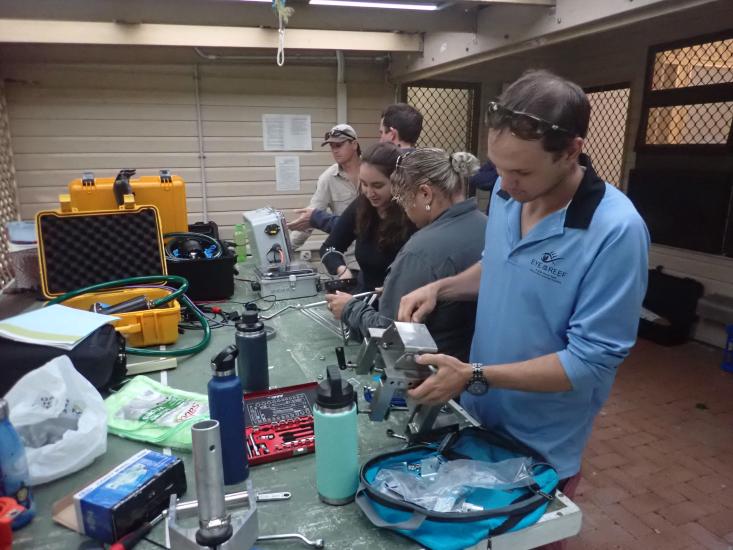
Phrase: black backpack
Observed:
(100, 358)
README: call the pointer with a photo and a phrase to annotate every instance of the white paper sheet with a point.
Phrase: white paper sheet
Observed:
(286, 132)
(58, 326)
(287, 173)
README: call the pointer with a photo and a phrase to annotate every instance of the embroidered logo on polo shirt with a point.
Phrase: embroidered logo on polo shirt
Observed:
(548, 265)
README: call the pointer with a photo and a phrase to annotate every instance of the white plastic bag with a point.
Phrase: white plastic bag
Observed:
(61, 418)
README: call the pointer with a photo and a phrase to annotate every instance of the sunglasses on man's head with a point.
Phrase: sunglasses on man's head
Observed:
(523, 125)
(338, 133)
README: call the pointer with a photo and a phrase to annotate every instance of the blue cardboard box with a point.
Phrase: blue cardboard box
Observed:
(123, 499)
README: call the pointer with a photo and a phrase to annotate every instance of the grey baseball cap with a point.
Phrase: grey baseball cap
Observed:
(339, 134)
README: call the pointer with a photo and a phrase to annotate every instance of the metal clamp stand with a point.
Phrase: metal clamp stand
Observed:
(393, 351)
(217, 528)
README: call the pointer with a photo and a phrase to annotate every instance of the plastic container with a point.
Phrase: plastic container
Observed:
(226, 404)
(14, 476)
(251, 340)
(240, 242)
(167, 192)
(151, 327)
(21, 232)
(337, 444)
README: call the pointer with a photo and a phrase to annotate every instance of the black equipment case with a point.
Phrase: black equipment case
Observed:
(675, 300)
(208, 278)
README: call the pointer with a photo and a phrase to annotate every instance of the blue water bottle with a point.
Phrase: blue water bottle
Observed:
(337, 442)
(14, 477)
(226, 404)
(251, 340)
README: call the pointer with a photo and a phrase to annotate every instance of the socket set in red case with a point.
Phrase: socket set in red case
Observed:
(279, 423)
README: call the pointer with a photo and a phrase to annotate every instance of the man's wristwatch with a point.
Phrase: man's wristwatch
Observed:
(477, 384)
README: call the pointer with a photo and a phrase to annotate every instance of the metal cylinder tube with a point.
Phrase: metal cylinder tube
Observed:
(213, 519)
(232, 499)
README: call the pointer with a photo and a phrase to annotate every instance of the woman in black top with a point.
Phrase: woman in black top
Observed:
(430, 185)
(377, 225)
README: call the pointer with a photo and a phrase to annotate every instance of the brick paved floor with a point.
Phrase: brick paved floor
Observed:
(658, 470)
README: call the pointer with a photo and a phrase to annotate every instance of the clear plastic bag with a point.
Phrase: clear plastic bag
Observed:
(61, 419)
(439, 485)
(148, 411)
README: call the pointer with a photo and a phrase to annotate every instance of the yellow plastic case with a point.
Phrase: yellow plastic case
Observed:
(166, 192)
(141, 328)
(79, 249)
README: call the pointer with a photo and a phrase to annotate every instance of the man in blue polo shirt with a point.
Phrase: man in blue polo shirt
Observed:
(560, 284)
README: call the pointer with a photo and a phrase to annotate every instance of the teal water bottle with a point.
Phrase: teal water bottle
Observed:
(337, 441)
(14, 477)
(240, 242)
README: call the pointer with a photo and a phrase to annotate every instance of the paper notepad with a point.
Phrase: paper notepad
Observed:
(57, 326)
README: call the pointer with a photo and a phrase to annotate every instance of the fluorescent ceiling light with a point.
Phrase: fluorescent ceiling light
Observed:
(384, 5)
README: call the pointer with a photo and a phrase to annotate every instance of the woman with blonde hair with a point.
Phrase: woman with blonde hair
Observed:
(430, 185)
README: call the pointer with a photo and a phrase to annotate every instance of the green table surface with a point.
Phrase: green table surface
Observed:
(299, 352)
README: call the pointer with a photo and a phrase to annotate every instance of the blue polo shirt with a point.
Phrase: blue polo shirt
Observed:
(572, 286)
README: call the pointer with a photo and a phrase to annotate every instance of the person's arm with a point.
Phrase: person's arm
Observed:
(341, 237)
(300, 227)
(303, 221)
(417, 305)
(407, 272)
(601, 330)
(360, 317)
(541, 374)
(323, 220)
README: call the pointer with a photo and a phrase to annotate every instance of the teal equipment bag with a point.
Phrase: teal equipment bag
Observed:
(490, 484)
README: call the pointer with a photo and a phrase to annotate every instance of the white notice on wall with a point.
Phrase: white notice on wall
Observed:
(286, 132)
(287, 173)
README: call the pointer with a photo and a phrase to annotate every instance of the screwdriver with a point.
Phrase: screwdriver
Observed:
(132, 538)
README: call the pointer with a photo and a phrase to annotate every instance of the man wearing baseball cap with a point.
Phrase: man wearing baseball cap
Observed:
(337, 186)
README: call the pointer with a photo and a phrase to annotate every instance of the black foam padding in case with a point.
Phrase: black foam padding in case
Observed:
(83, 250)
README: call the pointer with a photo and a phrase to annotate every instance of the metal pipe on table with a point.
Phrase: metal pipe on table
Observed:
(233, 500)
(324, 302)
(206, 445)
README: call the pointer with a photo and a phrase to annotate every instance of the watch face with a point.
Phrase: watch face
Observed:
(477, 388)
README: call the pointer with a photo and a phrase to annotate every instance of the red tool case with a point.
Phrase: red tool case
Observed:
(279, 423)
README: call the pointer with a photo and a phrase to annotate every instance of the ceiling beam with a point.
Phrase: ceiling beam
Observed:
(29, 31)
(545, 3)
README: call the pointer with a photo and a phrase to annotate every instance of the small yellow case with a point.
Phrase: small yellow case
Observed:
(151, 327)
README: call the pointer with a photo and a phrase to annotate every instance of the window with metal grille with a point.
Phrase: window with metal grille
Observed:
(8, 202)
(450, 114)
(607, 130)
(688, 100)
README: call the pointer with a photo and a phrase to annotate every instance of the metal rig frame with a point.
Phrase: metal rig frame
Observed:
(217, 528)
(392, 351)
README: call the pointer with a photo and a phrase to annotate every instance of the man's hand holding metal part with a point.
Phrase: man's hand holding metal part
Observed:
(449, 380)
